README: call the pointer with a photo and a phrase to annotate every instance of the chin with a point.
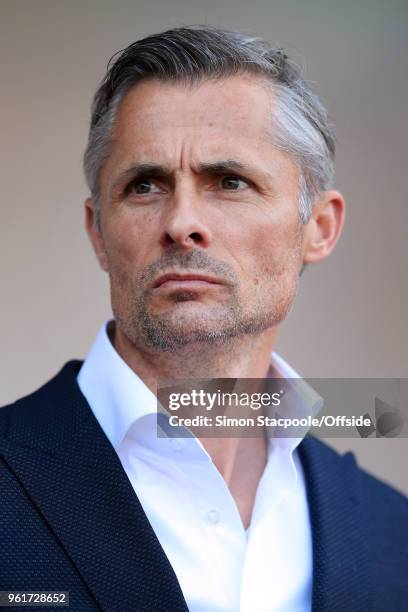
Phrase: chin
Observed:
(188, 325)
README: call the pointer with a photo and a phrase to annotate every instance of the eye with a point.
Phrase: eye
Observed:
(233, 183)
(142, 187)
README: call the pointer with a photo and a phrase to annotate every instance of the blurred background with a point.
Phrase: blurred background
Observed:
(350, 316)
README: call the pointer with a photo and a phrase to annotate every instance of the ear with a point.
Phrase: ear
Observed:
(323, 230)
(95, 235)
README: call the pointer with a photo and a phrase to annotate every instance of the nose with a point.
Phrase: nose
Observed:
(184, 223)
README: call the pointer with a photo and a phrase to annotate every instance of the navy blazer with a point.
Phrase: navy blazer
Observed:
(70, 519)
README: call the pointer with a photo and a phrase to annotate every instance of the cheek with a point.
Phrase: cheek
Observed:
(272, 252)
(128, 244)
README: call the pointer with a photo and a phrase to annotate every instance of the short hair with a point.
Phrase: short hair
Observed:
(195, 53)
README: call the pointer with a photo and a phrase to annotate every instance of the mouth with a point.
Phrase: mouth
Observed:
(186, 281)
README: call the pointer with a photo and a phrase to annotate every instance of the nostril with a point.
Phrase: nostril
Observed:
(168, 240)
(187, 240)
(196, 237)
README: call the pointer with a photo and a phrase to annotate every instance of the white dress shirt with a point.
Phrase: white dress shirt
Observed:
(220, 566)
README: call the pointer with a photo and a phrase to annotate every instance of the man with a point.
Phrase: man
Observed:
(210, 166)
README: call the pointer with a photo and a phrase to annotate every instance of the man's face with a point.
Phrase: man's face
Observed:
(199, 214)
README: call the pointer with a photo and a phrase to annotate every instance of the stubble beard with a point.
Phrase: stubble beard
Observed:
(179, 328)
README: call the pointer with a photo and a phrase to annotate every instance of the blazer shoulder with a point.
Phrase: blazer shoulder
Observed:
(385, 508)
(385, 513)
(381, 497)
(30, 408)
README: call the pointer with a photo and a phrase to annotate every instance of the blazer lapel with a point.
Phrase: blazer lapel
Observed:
(69, 469)
(341, 562)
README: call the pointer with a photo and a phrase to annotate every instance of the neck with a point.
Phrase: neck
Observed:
(240, 461)
(242, 357)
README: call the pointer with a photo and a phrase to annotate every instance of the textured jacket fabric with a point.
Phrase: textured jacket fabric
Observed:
(70, 519)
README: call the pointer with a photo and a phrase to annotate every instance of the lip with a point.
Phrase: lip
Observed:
(189, 279)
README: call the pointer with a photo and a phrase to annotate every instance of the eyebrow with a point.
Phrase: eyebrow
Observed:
(140, 170)
(223, 166)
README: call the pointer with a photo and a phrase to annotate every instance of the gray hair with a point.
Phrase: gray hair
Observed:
(195, 53)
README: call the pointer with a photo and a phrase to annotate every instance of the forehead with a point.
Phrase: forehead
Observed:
(235, 109)
(242, 93)
(180, 126)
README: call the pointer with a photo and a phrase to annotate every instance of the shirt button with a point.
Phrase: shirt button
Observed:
(176, 445)
(213, 517)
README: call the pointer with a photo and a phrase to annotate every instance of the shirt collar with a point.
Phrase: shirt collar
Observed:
(119, 398)
(116, 394)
